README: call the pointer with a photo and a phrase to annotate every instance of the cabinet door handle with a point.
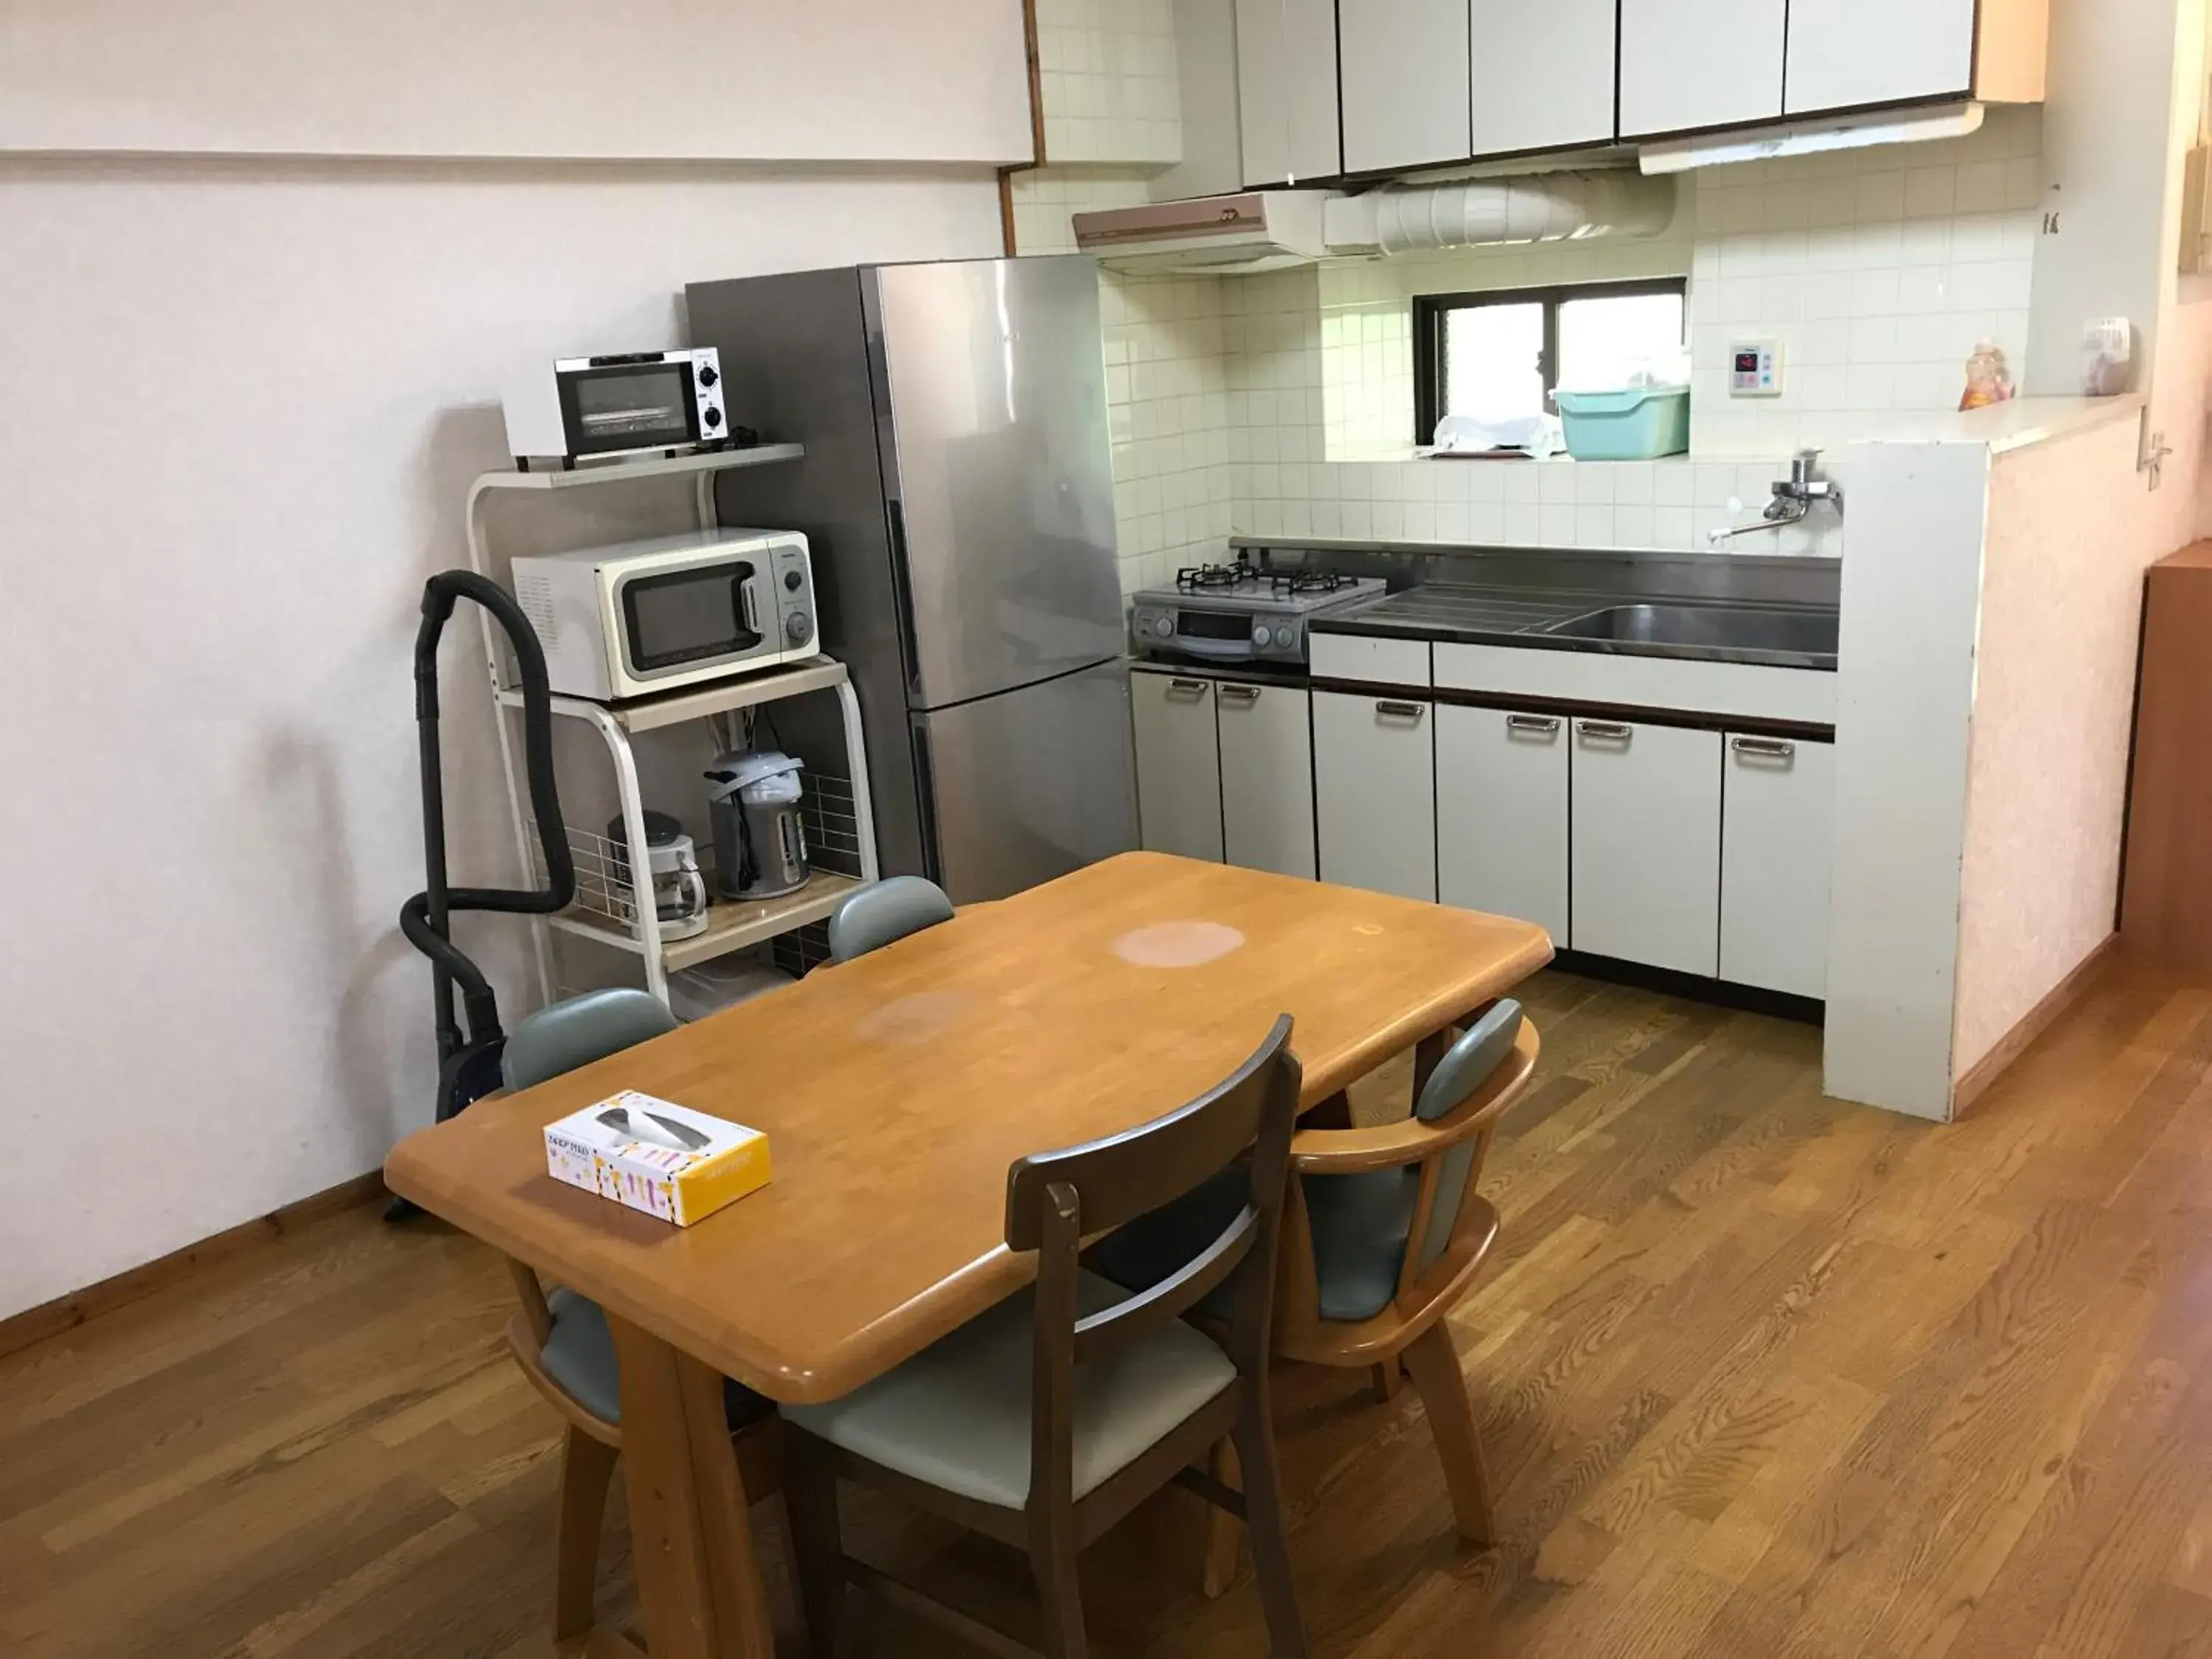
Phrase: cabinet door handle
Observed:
(1605, 731)
(1243, 694)
(1770, 748)
(1390, 710)
(1546, 724)
(1185, 688)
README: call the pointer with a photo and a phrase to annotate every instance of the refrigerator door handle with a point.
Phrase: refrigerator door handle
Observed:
(925, 778)
(902, 600)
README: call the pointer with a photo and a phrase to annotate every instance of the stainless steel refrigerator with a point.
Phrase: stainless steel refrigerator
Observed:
(958, 494)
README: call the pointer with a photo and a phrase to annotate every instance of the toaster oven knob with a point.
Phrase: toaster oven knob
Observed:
(792, 579)
(800, 627)
(711, 417)
(706, 375)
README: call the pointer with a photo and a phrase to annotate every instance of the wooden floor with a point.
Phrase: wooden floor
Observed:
(1760, 1374)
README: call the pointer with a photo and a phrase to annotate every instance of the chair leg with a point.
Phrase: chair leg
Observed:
(1387, 1377)
(1263, 1523)
(586, 1466)
(1434, 1364)
(1225, 1537)
(817, 1546)
(1051, 1558)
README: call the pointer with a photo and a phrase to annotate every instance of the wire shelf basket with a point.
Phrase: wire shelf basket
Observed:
(603, 889)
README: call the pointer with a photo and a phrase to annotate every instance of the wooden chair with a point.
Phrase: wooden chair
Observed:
(883, 912)
(561, 1339)
(1355, 1288)
(1048, 1419)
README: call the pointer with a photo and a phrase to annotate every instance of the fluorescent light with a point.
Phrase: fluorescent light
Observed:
(1810, 138)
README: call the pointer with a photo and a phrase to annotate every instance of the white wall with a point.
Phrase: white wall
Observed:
(941, 80)
(246, 400)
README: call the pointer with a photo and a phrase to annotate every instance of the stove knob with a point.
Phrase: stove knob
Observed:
(1260, 634)
(1165, 627)
(1283, 638)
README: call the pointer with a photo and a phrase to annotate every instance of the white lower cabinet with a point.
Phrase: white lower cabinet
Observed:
(1178, 765)
(1502, 814)
(1266, 777)
(1779, 805)
(1375, 778)
(1647, 844)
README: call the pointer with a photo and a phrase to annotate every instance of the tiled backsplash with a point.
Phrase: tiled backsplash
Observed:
(1107, 71)
(1282, 405)
(1167, 397)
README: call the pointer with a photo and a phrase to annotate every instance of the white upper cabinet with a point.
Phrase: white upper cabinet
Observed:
(1286, 115)
(1542, 74)
(1691, 63)
(1848, 52)
(1405, 80)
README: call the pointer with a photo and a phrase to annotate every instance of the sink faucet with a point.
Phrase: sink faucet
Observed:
(1794, 498)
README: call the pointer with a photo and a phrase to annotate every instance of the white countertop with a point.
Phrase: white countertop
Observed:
(2016, 423)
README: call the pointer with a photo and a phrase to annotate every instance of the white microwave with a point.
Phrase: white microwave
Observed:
(639, 618)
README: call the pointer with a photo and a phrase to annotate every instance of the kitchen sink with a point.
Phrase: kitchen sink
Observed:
(1733, 629)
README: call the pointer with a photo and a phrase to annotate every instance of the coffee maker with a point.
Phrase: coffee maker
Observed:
(679, 887)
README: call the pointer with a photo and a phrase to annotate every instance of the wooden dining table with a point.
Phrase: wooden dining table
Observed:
(896, 1090)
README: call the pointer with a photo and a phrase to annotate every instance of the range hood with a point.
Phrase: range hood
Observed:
(1253, 231)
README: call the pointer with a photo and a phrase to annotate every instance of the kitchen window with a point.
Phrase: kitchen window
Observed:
(1502, 354)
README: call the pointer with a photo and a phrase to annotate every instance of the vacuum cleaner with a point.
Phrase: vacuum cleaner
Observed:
(469, 1046)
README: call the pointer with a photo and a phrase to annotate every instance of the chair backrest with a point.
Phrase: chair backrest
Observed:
(1054, 1198)
(577, 1031)
(1470, 1062)
(885, 911)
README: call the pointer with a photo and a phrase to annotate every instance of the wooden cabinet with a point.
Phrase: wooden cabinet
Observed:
(1375, 778)
(1404, 75)
(1286, 81)
(1266, 777)
(1686, 64)
(1778, 797)
(1502, 814)
(1542, 75)
(1178, 765)
(1646, 859)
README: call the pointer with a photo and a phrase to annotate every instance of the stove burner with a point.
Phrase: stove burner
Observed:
(1191, 578)
(1310, 581)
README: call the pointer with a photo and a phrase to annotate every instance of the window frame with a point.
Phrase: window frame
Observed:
(1430, 310)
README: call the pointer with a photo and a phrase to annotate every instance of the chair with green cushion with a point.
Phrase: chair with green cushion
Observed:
(561, 1339)
(1048, 1419)
(883, 912)
(1383, 1234)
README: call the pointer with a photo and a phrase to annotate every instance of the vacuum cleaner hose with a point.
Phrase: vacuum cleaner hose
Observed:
(423, 918)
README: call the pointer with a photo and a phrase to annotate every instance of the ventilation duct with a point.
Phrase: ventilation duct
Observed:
(1543, 207)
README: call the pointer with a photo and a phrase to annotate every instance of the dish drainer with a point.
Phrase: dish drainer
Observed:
(839, 819)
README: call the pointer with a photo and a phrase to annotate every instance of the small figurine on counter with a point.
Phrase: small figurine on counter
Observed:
(1988, 380)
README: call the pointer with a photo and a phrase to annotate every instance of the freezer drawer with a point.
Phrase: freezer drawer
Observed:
(1028, 785)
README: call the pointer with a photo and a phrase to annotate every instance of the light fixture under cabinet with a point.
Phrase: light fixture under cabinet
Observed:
(1811, 138)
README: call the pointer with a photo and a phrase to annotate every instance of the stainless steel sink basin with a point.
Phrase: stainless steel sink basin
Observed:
(1707, 629)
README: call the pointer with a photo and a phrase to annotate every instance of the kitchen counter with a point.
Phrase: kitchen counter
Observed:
(1628, 625)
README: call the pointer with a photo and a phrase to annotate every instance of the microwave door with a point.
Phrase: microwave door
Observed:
(678, 620)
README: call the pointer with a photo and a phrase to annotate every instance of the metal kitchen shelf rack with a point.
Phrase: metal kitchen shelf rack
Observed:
(840, 820)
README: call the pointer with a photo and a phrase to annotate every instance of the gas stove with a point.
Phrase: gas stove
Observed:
(1239, 613)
